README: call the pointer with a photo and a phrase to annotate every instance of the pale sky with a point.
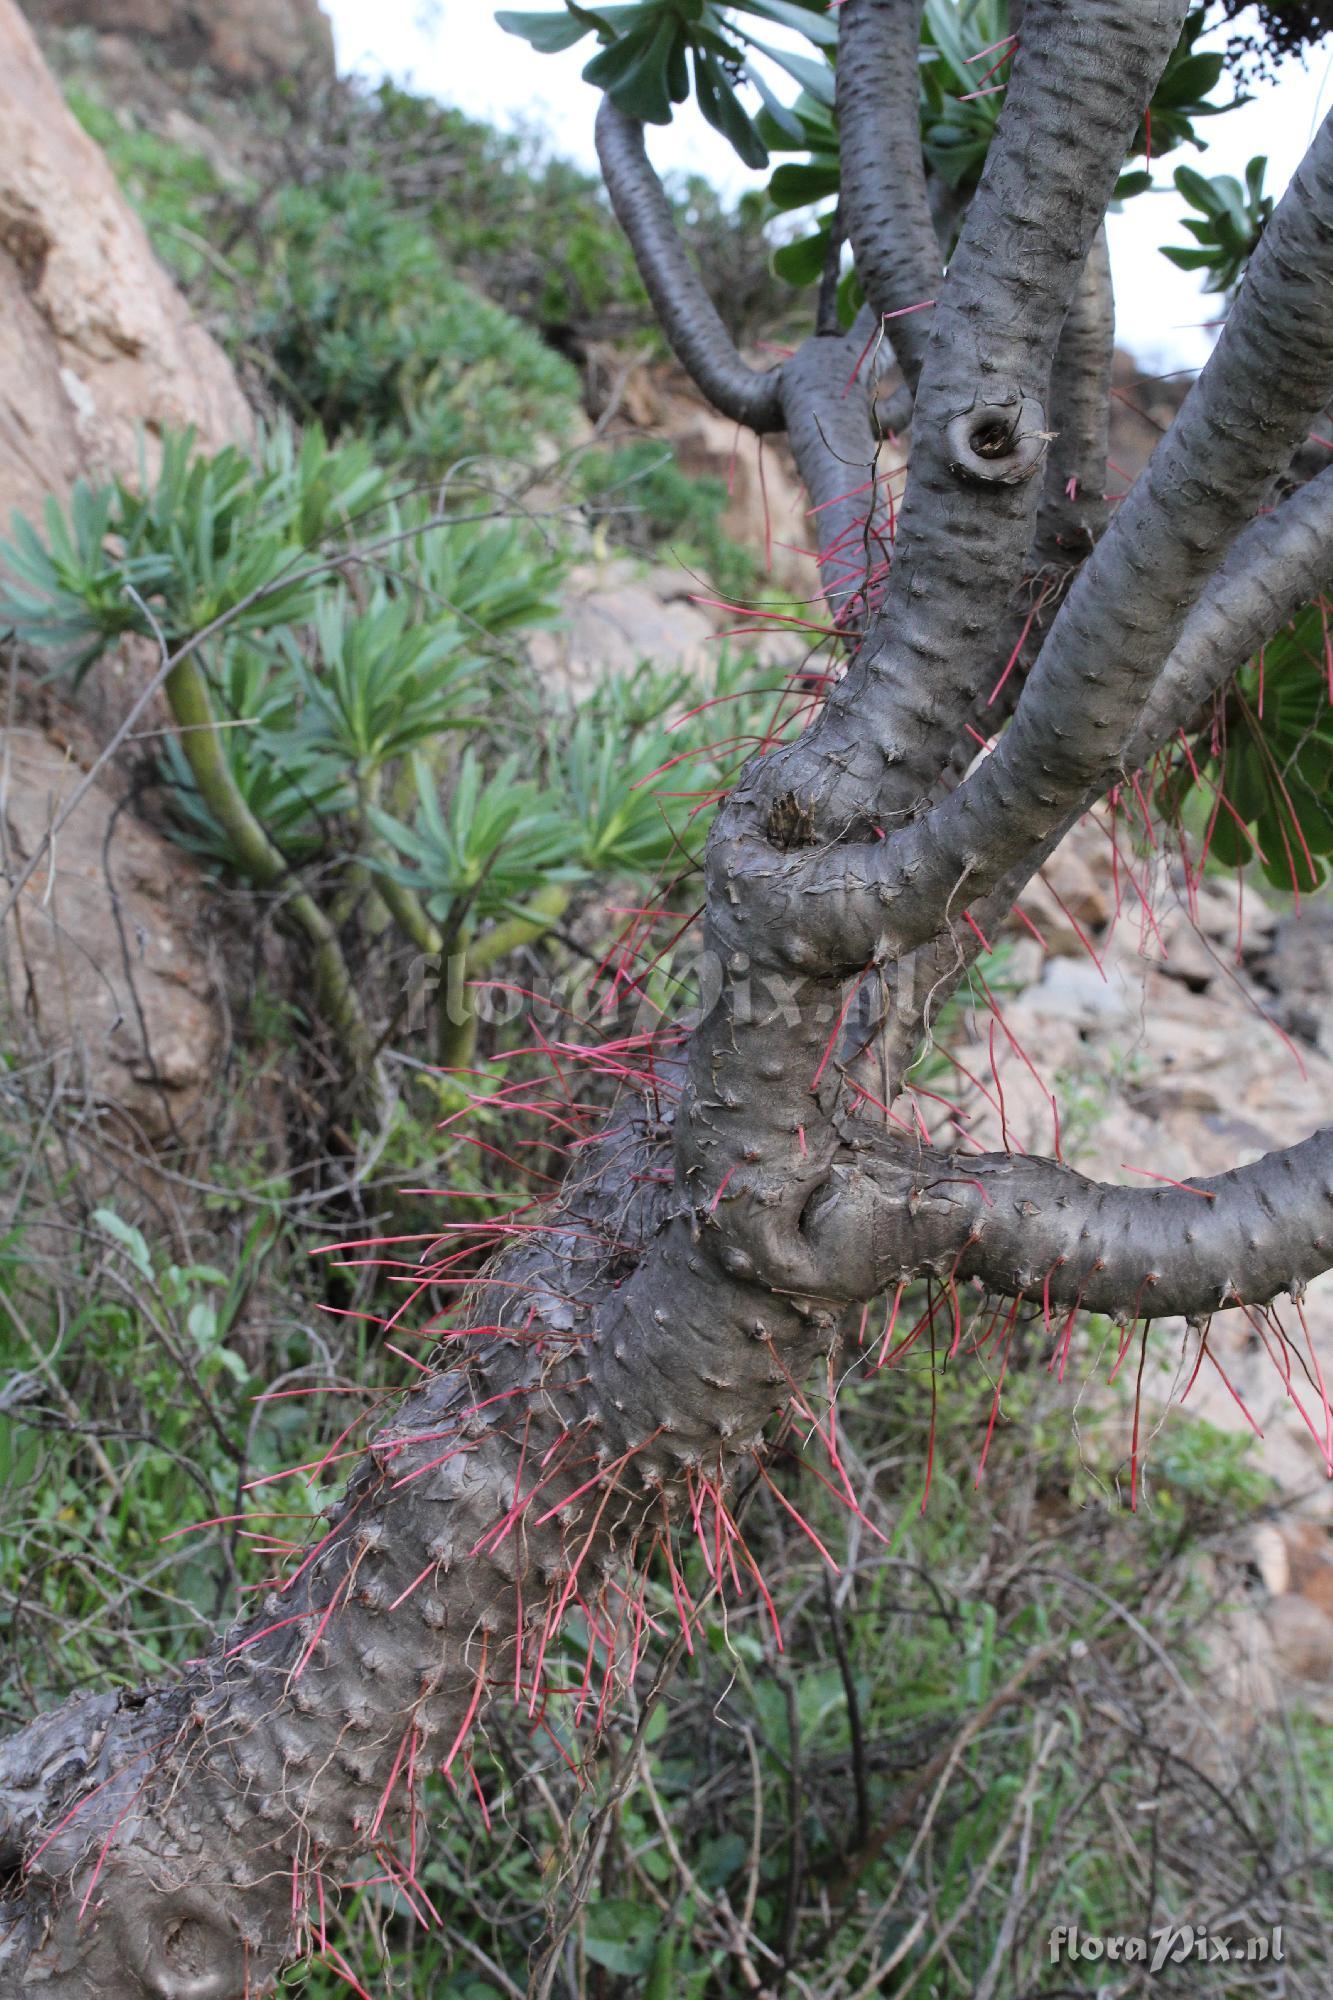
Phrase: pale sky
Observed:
(453, 50)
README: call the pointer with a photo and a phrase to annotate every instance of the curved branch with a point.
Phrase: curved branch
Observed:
(684, 310)
(1029, 1226)
(884, 204)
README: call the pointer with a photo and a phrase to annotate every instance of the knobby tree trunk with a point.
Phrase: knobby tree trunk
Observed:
(185, 1841)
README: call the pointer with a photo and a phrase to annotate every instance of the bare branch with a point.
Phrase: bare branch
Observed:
(1024, 1225)
(884, 206)
(684, 310)
(1280, 562)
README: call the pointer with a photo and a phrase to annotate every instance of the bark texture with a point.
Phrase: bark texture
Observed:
(183, 1842)
(885, 206)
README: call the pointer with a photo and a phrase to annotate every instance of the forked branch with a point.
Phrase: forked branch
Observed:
(1262, 388)
(1080, 81)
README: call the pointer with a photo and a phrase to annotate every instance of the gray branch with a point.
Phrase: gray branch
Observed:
(831, 429)
(884, 204)
(1081, 78)
(1268, 376)
(684, 310)
(1280, 562)
(1072, 512)
(1033, 1227)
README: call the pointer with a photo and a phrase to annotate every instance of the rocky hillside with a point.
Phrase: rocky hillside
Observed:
(242, 44)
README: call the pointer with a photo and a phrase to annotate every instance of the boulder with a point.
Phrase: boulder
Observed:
(617, 614)
(103, 968)
(243, 42)
(99, 353)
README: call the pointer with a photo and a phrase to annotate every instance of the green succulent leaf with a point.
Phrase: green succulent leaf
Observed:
(547, 33)
(812, 18)
(1229, 219)
(643, 71)
(724, 110)
(1266, 770)
(802, 262)
(798, 185)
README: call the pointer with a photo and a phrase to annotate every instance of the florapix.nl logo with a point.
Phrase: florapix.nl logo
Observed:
(1168, 1944)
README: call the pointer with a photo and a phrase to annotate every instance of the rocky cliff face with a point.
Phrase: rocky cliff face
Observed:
(243, 42)
(98, 354)
(104, 970)
(96, 343)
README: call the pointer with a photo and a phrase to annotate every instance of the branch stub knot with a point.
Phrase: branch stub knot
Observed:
(998, 444)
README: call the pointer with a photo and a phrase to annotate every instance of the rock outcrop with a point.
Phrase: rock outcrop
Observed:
(96, 343)
(242, 42)
(103, 971)
(766, 503)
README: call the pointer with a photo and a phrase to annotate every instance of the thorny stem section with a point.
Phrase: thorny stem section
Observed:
(183, 1842)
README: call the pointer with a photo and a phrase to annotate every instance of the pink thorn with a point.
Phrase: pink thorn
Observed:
(467, 1721)
(976, 930)
(1012, 661)
(392, 1779)
(1005, 42)
(413, 1586)
(1138, 1411)
(995, 1400)
(1205, 1194)
(796, 1515)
